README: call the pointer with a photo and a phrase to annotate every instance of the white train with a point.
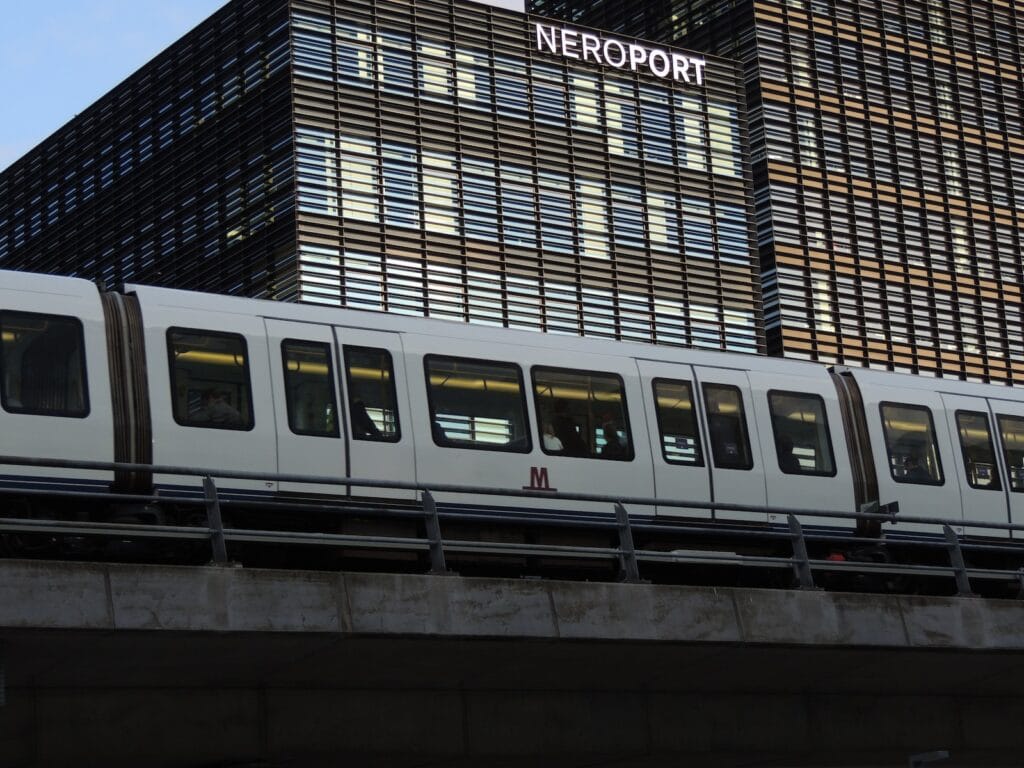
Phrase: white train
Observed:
(175, 378)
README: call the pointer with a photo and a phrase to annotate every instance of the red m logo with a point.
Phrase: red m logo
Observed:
(539, 480)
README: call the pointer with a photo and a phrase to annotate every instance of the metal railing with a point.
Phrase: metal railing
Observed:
(944, 554)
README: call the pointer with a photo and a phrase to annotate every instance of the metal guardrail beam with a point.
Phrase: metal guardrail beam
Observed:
(890, 514)
(626, 554)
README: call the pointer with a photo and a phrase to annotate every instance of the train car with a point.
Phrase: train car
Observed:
(944, 448)
(173, 378)
(376, 396)
(55, 395)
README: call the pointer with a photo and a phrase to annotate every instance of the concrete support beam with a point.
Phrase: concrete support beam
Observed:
(163, 666)
(37, 595)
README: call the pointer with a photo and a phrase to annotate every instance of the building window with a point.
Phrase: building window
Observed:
(42, 365)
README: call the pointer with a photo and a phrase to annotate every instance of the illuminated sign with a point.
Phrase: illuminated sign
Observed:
(619, 54)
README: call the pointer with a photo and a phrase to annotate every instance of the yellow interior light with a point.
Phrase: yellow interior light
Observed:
(475, 382)
(375, 374)
(213, 358)
(307, 367)
(667, 402)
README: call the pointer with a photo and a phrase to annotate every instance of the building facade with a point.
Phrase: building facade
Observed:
(888, 155)
(439, 158)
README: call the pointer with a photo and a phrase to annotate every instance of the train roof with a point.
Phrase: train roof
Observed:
(312, 313)
(455, 329)
(53, 285)
(932, 384)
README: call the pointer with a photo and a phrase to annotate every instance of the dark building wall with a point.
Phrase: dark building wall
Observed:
(447, 167)
(889, 174)
(425, 159)
(180, 176)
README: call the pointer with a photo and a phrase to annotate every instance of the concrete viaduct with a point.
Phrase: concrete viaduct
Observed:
(141, 665)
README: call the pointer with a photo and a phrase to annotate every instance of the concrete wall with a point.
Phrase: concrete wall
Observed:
(141, 665)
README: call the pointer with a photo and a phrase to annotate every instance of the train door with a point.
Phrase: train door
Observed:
(805, 460)
(304, 378)
(974, 462)
(210, 395)
(912, 447)
(377, 419)
(1008, 425)
(681, 467)
(737, 467)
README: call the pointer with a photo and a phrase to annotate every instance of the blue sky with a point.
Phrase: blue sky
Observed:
(57, 57)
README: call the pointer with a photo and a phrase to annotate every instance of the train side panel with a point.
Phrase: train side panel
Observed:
(379, 423)
(304, 380)
(482, 410)
(209, 390)
(735, 455)
(806, 462)
(974, 464)
(913, 451)
(678, 445)
(55, 380)
(1008, 432)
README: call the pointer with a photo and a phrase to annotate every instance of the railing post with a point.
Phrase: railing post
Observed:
(956, 559)
(214, 522)
(627, 554)
(437, 564)
(801, 561)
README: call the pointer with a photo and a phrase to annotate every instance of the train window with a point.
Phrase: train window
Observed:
(910, 442)
(209, 379)
(979, 454)
(582, 414)
(1011, 430)
(677, 422)
(477, 404)
(803, 444)
(727, 425)
(372, 403)
(42, 365)
(309, 388)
